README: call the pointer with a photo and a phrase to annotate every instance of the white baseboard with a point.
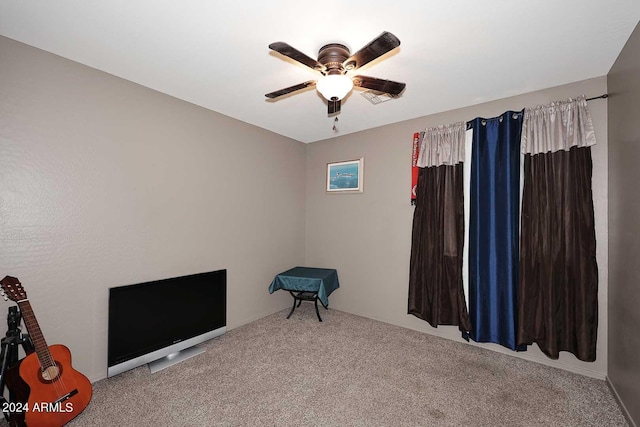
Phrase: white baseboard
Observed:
(440, 332)
(624, 409)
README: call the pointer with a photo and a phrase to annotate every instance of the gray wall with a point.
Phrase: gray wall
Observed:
(624, 226)
(367, 236)
(106, 183)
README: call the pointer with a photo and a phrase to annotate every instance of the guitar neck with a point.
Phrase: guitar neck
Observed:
(39, 343)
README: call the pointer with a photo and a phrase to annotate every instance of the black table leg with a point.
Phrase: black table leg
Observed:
(305, 296)
(317, 312)
(294, 305)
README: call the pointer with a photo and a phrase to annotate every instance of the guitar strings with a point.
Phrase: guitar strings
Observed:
(46, 358)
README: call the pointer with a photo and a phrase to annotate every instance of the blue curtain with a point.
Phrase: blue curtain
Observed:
(494, 229)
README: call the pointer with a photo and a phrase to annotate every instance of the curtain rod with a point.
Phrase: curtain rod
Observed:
(606, 95)
(603, 96)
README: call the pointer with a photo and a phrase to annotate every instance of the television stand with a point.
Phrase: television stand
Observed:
(173, 358)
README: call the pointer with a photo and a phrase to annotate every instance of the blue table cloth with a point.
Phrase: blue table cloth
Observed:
(323, 281)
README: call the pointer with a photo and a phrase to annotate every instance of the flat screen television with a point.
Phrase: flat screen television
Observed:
(161, 322)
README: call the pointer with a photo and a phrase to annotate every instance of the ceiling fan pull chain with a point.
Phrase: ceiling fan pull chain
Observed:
(335, 129)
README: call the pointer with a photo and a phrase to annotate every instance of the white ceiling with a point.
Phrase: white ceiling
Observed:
(215, 54)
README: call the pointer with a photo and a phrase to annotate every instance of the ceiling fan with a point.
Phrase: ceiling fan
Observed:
(334, 62)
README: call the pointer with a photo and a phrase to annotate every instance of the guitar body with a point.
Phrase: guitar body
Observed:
(56, 396)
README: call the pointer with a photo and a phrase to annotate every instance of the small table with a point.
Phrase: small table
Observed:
(307, 284)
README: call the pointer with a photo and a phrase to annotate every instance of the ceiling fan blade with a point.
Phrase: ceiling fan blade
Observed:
(386, 86)
(382, 44)
(334, 106)
(290, 89)
(293, 53)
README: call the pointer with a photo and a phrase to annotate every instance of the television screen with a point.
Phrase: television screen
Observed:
(147, 317)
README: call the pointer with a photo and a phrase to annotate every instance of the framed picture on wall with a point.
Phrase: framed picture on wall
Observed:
(345, 177)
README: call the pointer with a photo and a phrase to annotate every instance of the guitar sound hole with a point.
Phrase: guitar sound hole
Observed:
(50, 373)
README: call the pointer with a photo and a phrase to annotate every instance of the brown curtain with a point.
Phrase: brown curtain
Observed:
(558, 271)
(435, 279)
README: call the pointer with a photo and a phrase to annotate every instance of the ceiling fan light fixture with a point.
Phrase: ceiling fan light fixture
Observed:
(334, 60)
(334, 86)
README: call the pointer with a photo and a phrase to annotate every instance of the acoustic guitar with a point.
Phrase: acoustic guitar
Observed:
(56, 392)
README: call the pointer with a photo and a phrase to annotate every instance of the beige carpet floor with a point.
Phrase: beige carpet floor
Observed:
(348, 371)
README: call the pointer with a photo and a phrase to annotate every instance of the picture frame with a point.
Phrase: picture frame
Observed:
(345, 177)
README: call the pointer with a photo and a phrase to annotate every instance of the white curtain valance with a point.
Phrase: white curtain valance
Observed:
(557, 126)
(442, 145)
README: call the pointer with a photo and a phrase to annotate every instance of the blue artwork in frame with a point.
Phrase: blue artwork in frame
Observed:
(345, 177)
